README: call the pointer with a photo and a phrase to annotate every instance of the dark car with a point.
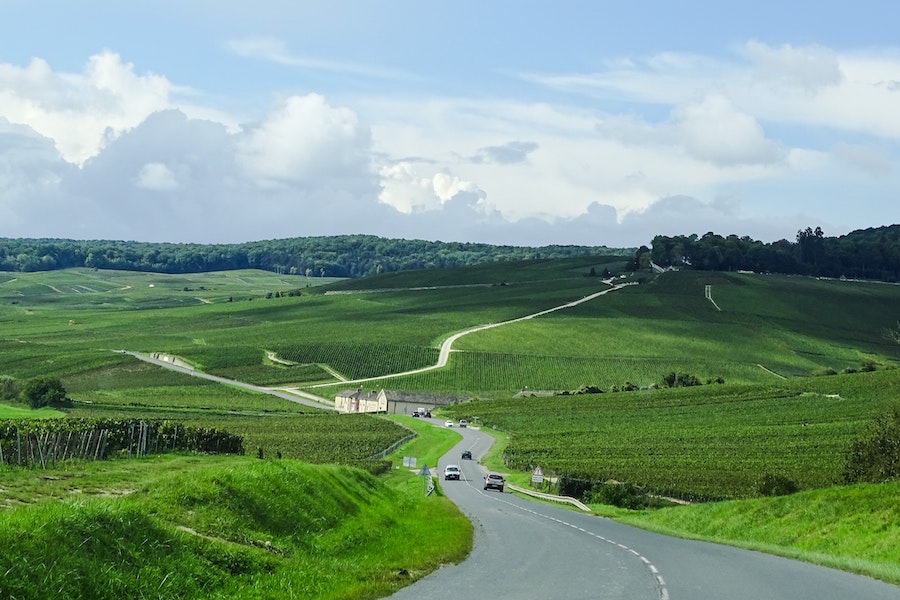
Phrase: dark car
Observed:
(494, 481)
(467, 455)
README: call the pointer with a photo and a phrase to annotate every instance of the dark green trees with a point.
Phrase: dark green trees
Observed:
(43, 391)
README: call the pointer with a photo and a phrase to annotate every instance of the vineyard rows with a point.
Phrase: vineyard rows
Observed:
(712, 441)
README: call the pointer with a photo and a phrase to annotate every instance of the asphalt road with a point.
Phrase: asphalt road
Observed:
(529, 550)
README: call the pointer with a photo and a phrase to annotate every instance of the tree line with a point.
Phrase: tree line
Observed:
(863, 254)
(331, 256)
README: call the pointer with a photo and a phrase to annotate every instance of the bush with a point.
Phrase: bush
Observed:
(624, 495)
(9, 388)
(673, 379)
(876, 457)
(39, 392)
(776, 485)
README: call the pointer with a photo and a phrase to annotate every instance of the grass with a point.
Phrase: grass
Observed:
(212, 527)
(770, 336)
(854, 528)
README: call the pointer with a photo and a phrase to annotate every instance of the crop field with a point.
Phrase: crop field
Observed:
(769, 333)
(696, 442)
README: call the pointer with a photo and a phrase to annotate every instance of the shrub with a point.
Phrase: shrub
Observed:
(43, 391)
(876, 457)
(776, 485)
(9, 388)
(673, 379)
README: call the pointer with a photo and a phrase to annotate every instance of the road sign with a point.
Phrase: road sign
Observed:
(537, 476)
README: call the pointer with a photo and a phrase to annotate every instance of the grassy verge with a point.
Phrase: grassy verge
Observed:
(204, 527)
(852, 528)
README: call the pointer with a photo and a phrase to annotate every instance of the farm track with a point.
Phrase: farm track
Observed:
(310, 399)
(447, 344)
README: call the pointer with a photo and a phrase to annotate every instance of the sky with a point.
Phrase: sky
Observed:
(506, 122)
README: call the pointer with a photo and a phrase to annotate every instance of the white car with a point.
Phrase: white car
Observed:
(452, 472)
(463, 423)
(448, 423)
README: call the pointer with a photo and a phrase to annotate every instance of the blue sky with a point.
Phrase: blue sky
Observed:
(523, 123)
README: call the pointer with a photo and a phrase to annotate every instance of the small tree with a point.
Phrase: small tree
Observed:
(876, 457)
(43, 391)
(9, 388)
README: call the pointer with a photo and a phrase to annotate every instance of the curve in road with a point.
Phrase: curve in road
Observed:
(526, 550)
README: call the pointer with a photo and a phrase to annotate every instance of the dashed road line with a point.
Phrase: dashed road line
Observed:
(654, 571)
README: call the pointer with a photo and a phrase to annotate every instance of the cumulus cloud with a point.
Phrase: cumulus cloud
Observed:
(80, 112)
(110, 153)
(306, 141)
(714, 130)
(407, 190)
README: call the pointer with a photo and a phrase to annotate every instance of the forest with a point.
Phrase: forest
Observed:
(327, 256)
(863, 254)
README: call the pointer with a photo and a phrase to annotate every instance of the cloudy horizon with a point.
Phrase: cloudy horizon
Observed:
(507, 124)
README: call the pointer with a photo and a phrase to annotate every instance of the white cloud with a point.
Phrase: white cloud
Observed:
(305, 142)
(80, 112)
(711, 155)
(276, 50)
(408, 191)
(810, 69)
(156, 177)
(713, 130)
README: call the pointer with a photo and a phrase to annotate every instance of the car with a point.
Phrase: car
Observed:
(463, 423)
(467, 455)
(452, 472)
(494, 481)
(448, 423)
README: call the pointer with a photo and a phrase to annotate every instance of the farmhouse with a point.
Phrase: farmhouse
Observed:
(393, 402)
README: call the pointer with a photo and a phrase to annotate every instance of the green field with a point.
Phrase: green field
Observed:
(805, 364)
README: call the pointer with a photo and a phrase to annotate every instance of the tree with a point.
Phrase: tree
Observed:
(9, 388)
(893, 334)
(876, 457)
(38, 392)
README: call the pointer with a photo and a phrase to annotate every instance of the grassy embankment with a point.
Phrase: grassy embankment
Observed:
(225, 527)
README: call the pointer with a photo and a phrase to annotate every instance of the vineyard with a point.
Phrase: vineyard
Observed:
(772, 332)
(701, 442)
(315, 437)
(43, 443)
(356, 360)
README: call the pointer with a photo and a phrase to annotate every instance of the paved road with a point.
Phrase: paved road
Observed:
(526, 550)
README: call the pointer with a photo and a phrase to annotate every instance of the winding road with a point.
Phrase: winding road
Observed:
(527, 550)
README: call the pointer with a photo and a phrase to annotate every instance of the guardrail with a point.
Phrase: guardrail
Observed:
(544, 496)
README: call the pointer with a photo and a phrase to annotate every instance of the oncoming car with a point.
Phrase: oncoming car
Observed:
(452, 472)
(467, 455)
(448, 423)
(494, 481)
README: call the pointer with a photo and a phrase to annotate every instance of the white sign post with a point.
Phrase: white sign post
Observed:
(537, 476)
